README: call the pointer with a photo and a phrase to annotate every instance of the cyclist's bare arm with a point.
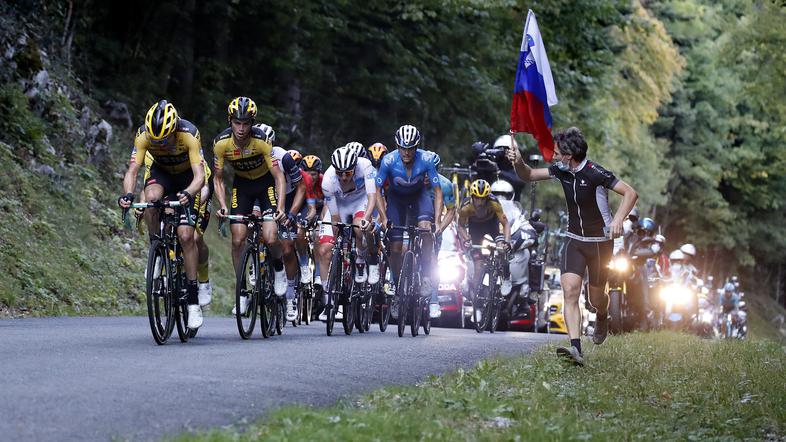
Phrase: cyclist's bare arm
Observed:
(220, 191)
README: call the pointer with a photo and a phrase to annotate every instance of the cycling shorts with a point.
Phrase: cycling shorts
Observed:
(580, 256)
(479, 229)
(246, 192)
(420, 207)
(172, 184)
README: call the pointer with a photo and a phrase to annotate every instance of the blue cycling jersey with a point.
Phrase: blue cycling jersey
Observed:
(393, 171)
(731, 301)
(448, 197)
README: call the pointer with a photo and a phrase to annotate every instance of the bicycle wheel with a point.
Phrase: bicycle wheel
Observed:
(417, 306)
(384, 311)
(403, 291)
(368, 310)
(350, 305)
(160, 309)
(298, 305)
(494, 304)
(426, 318)
(281, 314)
(247, 285)
(360, 311)
(479, 317)
(308, 303)
(333, 290)
(181, 304)
(266, 301)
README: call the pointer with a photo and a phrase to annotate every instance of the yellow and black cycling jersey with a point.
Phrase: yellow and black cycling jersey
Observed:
(174, 157)
(252, 161)
(468, 214)
(149, 161)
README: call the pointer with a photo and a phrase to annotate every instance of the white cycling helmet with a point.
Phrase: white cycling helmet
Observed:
(505, 141)
(502, 189)
(407, 137)
(660, 239)
(269, 132)
(688, 249)
(677, 255)
(344, 158)
(358, 148)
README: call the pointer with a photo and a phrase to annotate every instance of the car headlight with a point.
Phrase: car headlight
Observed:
(676, 294)
(619, 264)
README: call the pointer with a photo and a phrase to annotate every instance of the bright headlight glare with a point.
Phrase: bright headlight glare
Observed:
(619, 264)
(449, 273)
(676, 294)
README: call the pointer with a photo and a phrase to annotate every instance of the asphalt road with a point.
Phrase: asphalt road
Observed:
(104, 378)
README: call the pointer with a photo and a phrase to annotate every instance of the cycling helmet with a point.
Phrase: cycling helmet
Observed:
(242, 108)
(676, 255)
(734, 279)
(660, 239)
(634, 214)
(295, 155)
(161, 120)
(344, 159)
(505, 142)
(358, 148)
(376, 151)
(647, 225)
(269, 132)
(407, 137)
(688, 249)
(502, 189)
(480, 189)
(729, 287)
(311, 162)
(434, 158)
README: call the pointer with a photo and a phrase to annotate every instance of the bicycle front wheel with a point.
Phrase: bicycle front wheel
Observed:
(333, 290)
(247, 288)
(160, 306)
(479, 303)
(403, 291)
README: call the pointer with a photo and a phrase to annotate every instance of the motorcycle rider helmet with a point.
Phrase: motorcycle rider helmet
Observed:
(269, 132)
(480, 189)
(676, 255)
(344, 159)
(647, 225)
(311, 163)
(242, 108)
(161, 120)
(505, 142)
(688, 249)
(407, 137)
(502, 189)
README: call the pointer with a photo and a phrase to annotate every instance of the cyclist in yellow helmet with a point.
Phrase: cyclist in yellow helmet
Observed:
(482, 215)
(176, 173)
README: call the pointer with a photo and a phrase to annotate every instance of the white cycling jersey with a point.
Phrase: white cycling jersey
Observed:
(348, 201)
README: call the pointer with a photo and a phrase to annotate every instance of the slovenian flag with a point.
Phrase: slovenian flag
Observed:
(534, 91)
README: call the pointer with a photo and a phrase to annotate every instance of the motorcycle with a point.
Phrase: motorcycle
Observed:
(520, 311)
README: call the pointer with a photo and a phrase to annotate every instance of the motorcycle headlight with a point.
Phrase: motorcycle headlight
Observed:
(707, 317)
(619, 264)
(676, 294)
(450, 269)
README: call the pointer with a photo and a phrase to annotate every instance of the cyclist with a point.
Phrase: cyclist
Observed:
(591, 228)
(176, 173)
(407, 170)
(250, 153)
(202, 202)
(311, 170)
(350, 194)
(482, 215)
(288, 162)
(728, 302)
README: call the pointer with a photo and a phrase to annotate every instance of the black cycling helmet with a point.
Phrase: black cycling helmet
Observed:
(242, 108)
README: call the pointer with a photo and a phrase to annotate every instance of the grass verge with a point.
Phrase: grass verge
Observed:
(653, 386)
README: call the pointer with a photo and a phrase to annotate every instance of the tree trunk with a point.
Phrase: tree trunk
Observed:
(183, 70)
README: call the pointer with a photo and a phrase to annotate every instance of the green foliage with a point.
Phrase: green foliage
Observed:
(670, 387)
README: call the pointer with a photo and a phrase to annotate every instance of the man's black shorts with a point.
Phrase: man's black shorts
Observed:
(245, 192)
(581, 256)
(173, 184)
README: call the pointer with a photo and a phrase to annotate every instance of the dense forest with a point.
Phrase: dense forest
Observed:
(684, 99)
